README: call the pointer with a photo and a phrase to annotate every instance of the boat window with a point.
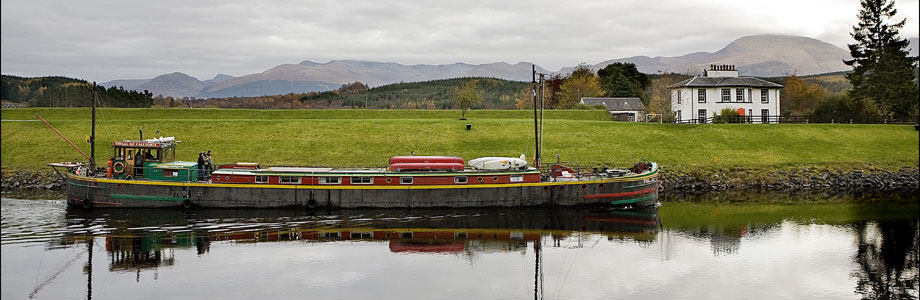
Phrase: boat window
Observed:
(362, 235)
(362, 180)
(170, 173)
(289, 179)
(517, 178)
(261, 179)
(460, 179)
(405, 235)
(330, 180)
(405, 180)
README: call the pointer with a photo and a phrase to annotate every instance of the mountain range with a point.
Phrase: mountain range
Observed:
(758, 55)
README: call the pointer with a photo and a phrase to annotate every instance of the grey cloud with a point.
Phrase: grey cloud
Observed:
(102, 40)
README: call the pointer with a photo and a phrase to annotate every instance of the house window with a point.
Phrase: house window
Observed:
(289, 179)
(362, 180)
(460, 179)
(765, 116)
(739, 95)
(405, 180)
(330, 180)
(261, 179)
(726, 95)
(702, 116)
(678, 116)
(764, 96)
(701, 95)
(679, 94)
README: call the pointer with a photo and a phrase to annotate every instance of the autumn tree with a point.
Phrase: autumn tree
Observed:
(552, 90)
(799, 97)
(524, 99)
(659, 95)
(582, 83)
(882, 69)
(467, 95)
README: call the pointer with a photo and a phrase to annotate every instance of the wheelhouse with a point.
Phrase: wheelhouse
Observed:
(153, 159)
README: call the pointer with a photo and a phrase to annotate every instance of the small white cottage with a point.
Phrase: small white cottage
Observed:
(720, 87)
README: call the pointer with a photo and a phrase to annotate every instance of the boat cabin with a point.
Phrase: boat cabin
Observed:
(153, 159)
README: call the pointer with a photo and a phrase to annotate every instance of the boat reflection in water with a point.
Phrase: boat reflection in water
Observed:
(145, 239)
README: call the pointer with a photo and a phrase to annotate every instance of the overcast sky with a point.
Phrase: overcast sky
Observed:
(106, 40)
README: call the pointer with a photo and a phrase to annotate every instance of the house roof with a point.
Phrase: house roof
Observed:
(617, 103)
(700, 81)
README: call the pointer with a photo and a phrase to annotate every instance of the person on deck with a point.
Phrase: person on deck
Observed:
(201, 174)
(209, 165)
(138, 164)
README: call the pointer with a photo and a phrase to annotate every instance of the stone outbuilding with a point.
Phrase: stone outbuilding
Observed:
(625, 109)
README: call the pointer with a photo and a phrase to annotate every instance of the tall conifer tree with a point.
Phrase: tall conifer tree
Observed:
(882, 70)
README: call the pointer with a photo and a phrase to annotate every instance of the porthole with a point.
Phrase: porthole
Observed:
(494, 178)
(389, 180)
(479, 178)
(226, 177)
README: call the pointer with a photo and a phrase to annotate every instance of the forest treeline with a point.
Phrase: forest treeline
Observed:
(58, 91)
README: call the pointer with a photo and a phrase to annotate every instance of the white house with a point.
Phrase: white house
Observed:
(720, 87)
(627, 109)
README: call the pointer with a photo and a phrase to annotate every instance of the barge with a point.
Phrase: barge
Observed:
(146, 173)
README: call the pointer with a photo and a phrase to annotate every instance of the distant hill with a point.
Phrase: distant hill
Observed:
(435, 94)
(176, 84)
(914, 46)
(173, 84)
(267, 87)
(757, 55)
(338, 72)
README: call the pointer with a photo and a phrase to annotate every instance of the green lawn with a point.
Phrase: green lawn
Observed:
(370, 137)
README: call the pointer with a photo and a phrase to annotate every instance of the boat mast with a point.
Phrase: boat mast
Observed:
(542, 101)
(536, 128)
(92, 137)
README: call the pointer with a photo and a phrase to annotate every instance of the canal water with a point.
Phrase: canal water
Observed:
(693, 249)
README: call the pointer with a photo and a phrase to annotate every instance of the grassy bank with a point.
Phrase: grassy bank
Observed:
(369, 137)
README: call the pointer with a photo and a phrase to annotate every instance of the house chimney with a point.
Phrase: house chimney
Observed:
(721, 71)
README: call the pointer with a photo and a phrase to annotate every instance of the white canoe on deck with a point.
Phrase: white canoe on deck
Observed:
(498, 163)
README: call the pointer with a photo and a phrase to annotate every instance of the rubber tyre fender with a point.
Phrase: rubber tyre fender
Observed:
(187, 203)
(311, 203)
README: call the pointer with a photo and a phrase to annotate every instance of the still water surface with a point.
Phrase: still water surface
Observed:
(838, 250)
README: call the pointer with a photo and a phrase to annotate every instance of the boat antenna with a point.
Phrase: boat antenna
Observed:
(92, 137)
(536, 128)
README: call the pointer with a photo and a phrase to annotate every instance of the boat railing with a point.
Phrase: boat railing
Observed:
(579, 172)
